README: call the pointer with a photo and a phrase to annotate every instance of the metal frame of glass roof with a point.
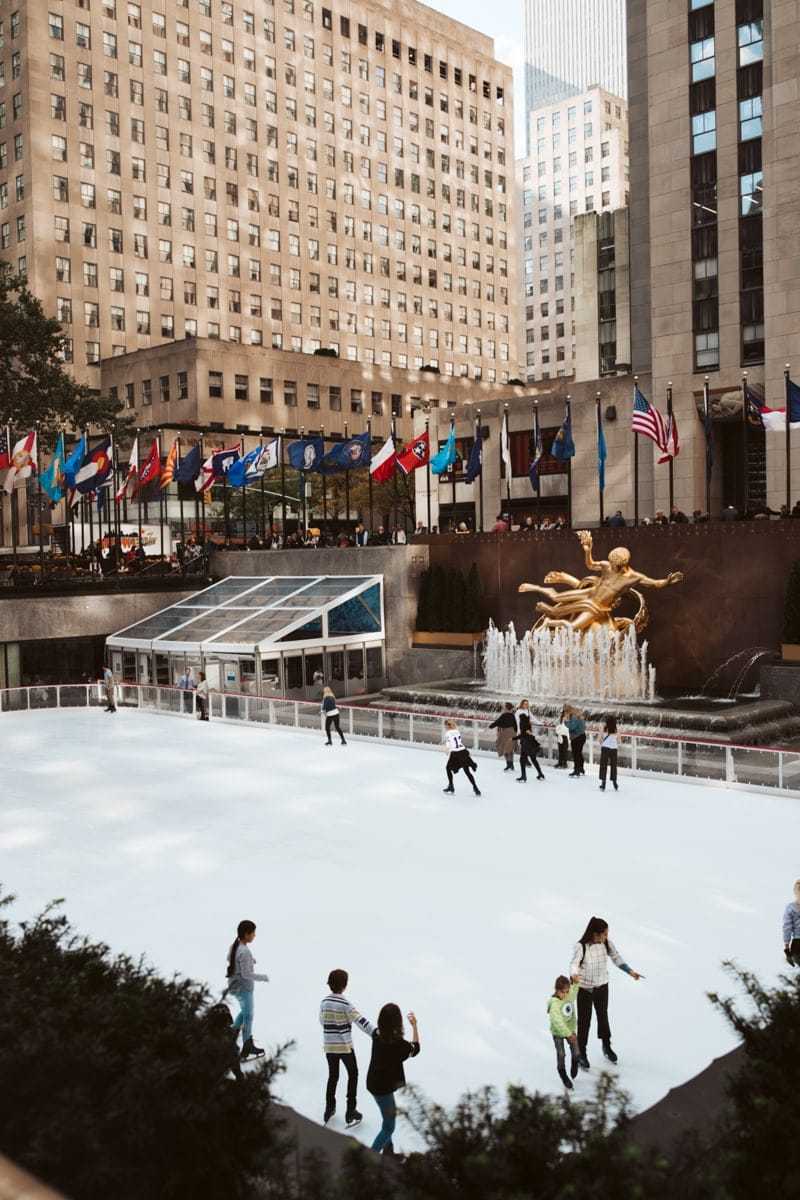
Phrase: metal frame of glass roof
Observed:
(256, 615)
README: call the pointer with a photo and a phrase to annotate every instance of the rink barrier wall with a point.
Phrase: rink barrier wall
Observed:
(762, 768)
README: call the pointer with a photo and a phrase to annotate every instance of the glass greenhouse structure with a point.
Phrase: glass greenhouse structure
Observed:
(264, 636)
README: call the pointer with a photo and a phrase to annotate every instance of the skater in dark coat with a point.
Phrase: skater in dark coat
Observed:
(528, 748)
(577, 739)
(506, 726)
(330, 712)
(386, 1074)
(459, 758)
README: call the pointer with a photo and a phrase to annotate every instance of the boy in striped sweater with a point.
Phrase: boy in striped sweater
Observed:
(336, 1016)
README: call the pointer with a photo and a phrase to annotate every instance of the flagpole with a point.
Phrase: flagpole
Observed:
(201, 533)
(263, 508)
(369, 485)
(671, 432)
(115, 485)
(283, 491)
(569, 465)
(635, 460)
(39, 506)
(324, 490)
(452, 468)
(535, 452)
(162, 503)
(244, 496)
(480, 477)
(706, 420)
(745, 446)
(428, 472)
(347, 487)
(600, 465)
(786, 393)
(508, 473)
(138, 503)
(178, 461)
(394, 476)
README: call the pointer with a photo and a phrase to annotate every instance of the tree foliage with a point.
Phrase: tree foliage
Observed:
(36, 390)
(114, 1083)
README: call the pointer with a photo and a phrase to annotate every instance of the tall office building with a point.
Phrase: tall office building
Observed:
(578, 165)
(571, 45)
(715, 216)
(203, 184)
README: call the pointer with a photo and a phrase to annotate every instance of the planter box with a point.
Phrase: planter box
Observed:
(790, 651)
(450, 639)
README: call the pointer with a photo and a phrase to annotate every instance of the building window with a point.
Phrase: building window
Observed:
(749, 119)
(751, 193)
(751, 42)
(704, 132)
(701, 54)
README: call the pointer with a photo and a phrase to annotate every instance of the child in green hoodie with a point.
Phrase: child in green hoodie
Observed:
(563, 1013)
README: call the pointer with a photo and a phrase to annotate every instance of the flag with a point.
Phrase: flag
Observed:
(133, 467)
(247, 469)
(215, 467)
(188, 468)
(150, 469)
(538, 455)
(752, 407)
(648, 420)
(95, 469)
(349, 455)
(505, 448)
(709, 431)
(671, 448)
(416, 454)
(602, 453)
(306, 454)
(272, 454)
(383, 464)
(445, 457)
(5, 442)
(75, 461)
(168, 474)
(23, 460)
(794, 401)
(563, 446)
(52, 478)
(475, 458)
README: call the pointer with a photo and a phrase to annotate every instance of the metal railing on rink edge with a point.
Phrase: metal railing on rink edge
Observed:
(758, 767)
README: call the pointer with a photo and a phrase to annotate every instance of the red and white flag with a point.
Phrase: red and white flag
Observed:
(22, 460)
(671, 448)
(151, 468)
(416, 454)
(133, 467)
(383, 464)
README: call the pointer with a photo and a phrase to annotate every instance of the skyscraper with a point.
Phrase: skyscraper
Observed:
(571, 45)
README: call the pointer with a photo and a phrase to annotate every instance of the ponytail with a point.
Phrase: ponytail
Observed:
(596, 925)
(242, 930)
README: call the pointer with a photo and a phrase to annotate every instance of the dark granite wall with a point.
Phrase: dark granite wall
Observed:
(731, 600)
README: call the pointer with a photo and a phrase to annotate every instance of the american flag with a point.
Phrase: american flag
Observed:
(648, 420)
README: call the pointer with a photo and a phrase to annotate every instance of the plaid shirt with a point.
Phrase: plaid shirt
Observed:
(593, 971)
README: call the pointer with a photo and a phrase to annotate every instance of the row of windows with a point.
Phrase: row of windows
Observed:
(750, 49)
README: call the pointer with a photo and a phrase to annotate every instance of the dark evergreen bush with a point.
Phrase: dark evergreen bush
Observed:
(114, 1084)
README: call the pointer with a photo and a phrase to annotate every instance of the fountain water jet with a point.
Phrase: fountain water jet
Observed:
(600, 664)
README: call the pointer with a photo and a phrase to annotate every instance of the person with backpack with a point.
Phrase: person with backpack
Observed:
(589, 969)
(241, 980)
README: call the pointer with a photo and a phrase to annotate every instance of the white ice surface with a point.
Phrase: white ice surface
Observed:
(162, 833)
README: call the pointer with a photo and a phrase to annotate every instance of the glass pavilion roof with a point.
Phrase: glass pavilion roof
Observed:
(246, 614)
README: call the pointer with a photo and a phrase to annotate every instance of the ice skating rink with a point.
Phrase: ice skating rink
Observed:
(162, 833)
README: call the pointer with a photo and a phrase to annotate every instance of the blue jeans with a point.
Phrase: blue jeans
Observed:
(244, 1018)
(389, 1113)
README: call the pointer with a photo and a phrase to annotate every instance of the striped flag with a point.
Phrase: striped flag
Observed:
(648, 420)
(383, 464)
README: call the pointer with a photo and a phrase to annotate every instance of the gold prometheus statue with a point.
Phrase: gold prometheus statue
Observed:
(589, 603)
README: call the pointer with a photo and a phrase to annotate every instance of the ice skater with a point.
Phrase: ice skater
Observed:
(201, 697)
(791, 929)
(563, 1023)
(506, 726)
(528, 747)
(562, 739)
(458, 757)
(577, 739)
(108, 684)
(608, 753)
(330, 712)
(337, 1017)
(386, 1074)
(589, 968)
(241, 979)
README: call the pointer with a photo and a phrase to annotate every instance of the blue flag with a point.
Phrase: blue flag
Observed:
(601, 453)
(794, 401)
(446, 456)
(475, 458)
(563, 446)
(538, 455)
(189, 468)
(51, 478)
(348, 455)
(305, 455)
(75, 462)
(245, 470)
